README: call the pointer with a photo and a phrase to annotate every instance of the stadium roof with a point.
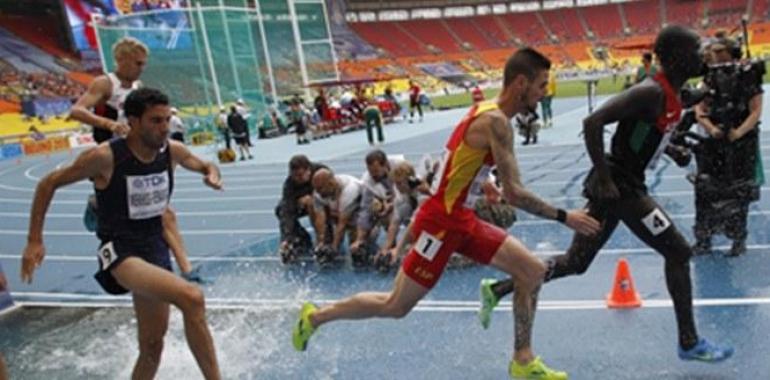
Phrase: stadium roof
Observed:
(375, 5)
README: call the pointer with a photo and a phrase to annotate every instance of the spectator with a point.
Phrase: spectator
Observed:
(373, 119)
(245, 112)
(545, 103)
(238, 127)
(476, 94)
(647, 69)
(528, 126)
(298, 118)
(414, 100)
(176, 126)
(35, 134)
(221, 123)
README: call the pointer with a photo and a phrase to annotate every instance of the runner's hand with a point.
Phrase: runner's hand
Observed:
(120, 129)
(213, 179)
(580, 221)
(195, 276)
(31, 259)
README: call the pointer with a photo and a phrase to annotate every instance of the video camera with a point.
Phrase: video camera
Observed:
(730, 86)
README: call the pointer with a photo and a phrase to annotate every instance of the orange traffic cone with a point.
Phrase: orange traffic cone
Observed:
(623, 294)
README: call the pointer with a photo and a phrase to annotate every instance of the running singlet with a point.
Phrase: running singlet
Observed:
(138, 193)
(463, 170)
(639, 147)
(113, 108)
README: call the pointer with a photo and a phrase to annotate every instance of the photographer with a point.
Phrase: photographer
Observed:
(411, 191)
(726, 181)
(296, 202)
(376, 208)
(336, 199)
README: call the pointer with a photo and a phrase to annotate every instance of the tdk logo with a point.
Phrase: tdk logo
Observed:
(149, 181)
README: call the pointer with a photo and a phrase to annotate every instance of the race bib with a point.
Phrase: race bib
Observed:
(106, 255)
(656, 222)
(427, 245)
(147, 195)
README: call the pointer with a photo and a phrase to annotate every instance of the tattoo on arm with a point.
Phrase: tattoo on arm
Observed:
(501, 143)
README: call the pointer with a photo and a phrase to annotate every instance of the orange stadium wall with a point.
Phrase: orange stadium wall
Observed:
(49, 145)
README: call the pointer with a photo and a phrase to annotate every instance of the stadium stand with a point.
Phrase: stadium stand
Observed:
(684, 12)
(604, 20)
(431, 32)
(725, 13)
(759, 10)
(470, 33)
(643, 16)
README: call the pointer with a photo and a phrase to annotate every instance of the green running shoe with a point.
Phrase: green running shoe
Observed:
(303, 330)
(535, 370)
(488, 301)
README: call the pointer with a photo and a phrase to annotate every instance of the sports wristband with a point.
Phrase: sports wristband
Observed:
(561, 215)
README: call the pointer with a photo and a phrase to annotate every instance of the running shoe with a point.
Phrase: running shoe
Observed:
(90, 219)
(303, 330)
(707, 352)
(535, 370)
(488, 301)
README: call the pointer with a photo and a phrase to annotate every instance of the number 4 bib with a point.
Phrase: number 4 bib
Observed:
(656, 222)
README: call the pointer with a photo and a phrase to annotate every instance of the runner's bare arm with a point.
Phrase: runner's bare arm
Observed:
(500, 137)
(182, 156)
(98, 91)
(93, 163)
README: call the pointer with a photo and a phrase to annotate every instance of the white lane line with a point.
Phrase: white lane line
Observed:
(274, 258)
(200, 189)
(65, 215)
(532, 222)
(43, 299)
(678, 193)
(221, 198)
(278, 184)
(253, 231)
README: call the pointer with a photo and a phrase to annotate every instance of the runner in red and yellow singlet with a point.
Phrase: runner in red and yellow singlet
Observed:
(446, 223)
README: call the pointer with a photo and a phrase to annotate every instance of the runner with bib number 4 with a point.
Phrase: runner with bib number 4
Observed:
(646, 114)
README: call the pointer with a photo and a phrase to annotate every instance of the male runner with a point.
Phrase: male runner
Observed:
(106, 96)
(446, 223)
(133, 179)
(646, 114)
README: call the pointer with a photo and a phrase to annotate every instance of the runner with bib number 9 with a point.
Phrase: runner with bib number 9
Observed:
(133, 179)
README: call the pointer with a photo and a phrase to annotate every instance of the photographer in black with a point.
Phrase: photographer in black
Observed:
(296, 202)
(727, 180)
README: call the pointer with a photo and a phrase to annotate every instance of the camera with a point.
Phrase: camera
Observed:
(296, 248)
(382, 262)
(413, 182)
(731, 85)
(326, 256)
